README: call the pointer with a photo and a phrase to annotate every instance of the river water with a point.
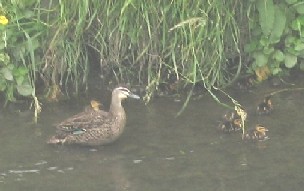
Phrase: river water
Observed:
(159, 151)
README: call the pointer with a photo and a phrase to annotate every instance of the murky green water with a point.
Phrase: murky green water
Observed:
(159, 151)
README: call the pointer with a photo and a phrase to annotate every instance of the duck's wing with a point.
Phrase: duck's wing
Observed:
(83, 121)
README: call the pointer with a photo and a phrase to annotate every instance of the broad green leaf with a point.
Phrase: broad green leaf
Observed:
(20, 71)
(2, 46)
(300, 8)
(289, 40)
(251, 47)
(275, 71)
(268, 50)
(278, 56)
(266, 15)
(292, 51)
(279, 26)
(290, 60)
(260, 59)
(301, 19)
(19, 80)
(264, 41)
(7, 73)
(299, 46)
(25, 90)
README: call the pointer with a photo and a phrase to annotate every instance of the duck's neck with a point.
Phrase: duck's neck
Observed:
(116, 107)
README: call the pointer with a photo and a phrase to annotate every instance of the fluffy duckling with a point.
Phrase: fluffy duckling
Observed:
(246, 83)
(94, 105)
(232, 120)
(230, 126)
(231, 115)
(256, 134)
(265, 107)
(238, 113)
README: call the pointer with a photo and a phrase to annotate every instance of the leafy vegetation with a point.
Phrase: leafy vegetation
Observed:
(277, 41)
(161, 45)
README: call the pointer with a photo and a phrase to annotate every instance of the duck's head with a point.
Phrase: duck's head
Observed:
(267, 100)
(261, 129)
(123, 93)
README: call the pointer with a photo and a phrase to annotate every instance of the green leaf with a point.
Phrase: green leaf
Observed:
(266, 15)
(290, 60)
(251, 47)
(300, 8)
(2, 46)
(7, 73)
(299, 46)
(291, 1)
(10, 66)
(264, 41)
(25, 89)
(289, 40)
(279, 26)
(268, 50)
(20, 71)
(4, 59)
(275, 71)
(260, 59)
(295, 25)
(301, 20)
(19, 80)
(292, 51)
(279, 56)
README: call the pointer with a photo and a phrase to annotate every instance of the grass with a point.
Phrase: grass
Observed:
(148, 44)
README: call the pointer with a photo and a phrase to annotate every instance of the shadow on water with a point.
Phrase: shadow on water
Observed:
(159, 151)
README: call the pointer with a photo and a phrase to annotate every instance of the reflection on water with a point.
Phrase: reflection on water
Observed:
(159, 151)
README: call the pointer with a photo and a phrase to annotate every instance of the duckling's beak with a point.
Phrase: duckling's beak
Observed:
(131, 95)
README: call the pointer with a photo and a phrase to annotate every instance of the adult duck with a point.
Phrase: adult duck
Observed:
(94, 126)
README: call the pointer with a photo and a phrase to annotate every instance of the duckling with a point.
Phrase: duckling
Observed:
(232, 120)
(230, 126)
(256, 134)
(94, 105)
(246, 83)
(225, 126)
(231, 115)
(94, 126)
(265, 107)
(238, 113)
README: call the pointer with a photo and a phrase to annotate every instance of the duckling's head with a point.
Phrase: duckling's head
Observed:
(95, 105)
(261, 129)
(267, 101)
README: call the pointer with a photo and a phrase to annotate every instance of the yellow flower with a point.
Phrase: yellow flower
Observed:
(3, 20)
